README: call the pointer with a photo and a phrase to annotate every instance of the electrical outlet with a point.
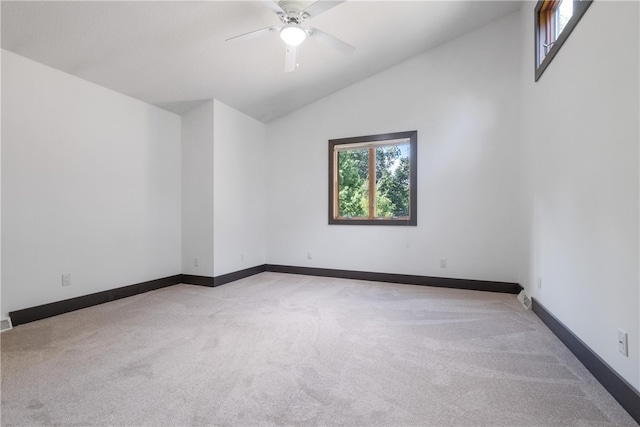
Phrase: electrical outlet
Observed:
(540, 282)
(623, 344)
(241, 257)
(443, 263)
(309, 255)
(195, 262)
(66, 279)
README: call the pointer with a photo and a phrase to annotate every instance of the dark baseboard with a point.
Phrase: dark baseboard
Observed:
(237, 275)
(620, 389)
(222, 279)
(191, 279)
(442, 282)
(32, 314)
(40, 312)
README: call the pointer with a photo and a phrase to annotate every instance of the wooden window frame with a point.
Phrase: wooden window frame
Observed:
(412, 219)
(547, 43)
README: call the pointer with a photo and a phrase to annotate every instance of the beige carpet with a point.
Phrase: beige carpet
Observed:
(277, 349)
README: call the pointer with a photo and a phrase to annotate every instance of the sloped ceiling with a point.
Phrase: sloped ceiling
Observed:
(173, 54)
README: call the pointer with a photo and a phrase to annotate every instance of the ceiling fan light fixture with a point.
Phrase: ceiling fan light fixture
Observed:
(292, 35)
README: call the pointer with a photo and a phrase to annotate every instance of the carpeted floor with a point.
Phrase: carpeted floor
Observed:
(277, 349)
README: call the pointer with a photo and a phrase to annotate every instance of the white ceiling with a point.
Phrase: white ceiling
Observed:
(173, 54)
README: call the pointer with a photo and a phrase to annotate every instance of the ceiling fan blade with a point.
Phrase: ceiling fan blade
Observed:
(273, 6)
(331, 41)
(254, 34)
(290, 58)
(319, 7)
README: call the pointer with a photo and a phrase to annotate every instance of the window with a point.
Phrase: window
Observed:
(554, 21)
(372, 179)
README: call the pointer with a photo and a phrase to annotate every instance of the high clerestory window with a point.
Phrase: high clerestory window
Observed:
(554, 21)
(373, 179)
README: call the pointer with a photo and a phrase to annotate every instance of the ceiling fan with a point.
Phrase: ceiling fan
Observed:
(293, 13)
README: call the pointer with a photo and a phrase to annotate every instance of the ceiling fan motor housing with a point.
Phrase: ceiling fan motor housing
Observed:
(294, 11)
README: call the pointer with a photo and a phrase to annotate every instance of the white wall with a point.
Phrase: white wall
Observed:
(90, 186)
(3, 314)
(239, 190)
(580, 136)
(197, 190)
(463, 99)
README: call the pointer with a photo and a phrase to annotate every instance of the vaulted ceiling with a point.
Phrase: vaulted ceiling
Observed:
(173, 54)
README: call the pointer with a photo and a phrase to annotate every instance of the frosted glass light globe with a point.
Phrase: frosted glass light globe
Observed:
(292, 35)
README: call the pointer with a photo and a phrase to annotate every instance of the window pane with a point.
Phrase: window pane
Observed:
(555, 20)
(353, 182)
(392, 181)
(564, 12)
